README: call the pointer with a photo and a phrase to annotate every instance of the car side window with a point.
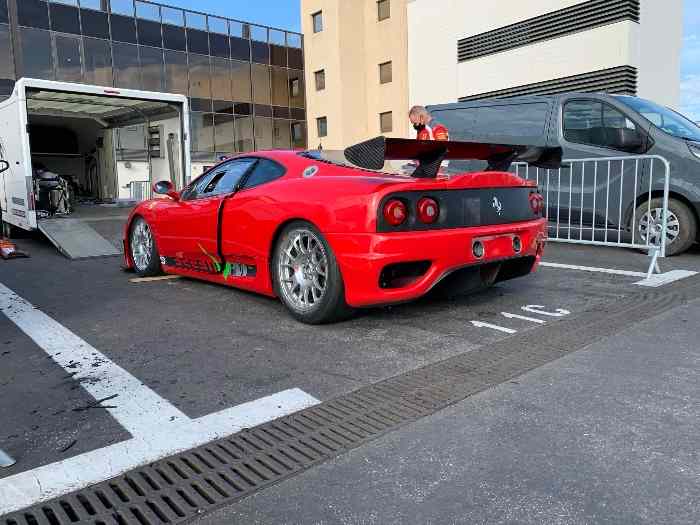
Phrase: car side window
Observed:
(197, 186)
(265, 171)
(229, 175)
(594, 123)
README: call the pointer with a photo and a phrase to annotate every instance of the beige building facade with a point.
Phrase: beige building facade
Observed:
(450, 50)
(356, 63)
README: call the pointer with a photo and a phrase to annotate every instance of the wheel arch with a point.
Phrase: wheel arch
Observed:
(273, 242)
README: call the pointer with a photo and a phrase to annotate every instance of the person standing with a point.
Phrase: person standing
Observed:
(427, 128)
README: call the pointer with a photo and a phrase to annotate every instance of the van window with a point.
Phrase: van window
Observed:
(590, 121)
(524, 122)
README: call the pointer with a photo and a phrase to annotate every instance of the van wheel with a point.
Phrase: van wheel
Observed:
(682, 225)
(143, 249)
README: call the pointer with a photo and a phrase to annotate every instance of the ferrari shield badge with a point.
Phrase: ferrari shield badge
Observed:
(310, 172)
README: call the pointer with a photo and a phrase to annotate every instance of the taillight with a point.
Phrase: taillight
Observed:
(537, 203)
(428, 210)
(395, 212)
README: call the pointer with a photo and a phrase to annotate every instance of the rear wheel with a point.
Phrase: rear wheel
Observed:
(682, 226)
(143, 249)
(306, 276)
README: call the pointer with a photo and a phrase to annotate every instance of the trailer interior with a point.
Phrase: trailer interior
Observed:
(93, 158)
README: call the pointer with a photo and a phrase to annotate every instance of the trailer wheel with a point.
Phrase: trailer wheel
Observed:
(143, 249)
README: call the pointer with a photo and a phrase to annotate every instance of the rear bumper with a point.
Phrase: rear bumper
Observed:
(363, 257)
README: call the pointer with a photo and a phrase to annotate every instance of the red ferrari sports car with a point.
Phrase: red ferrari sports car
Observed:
(326, 236)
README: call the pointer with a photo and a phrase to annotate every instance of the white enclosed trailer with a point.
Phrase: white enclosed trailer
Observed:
(76, 131)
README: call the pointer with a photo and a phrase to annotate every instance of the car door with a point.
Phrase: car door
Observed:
(192, 226)
(593, 195)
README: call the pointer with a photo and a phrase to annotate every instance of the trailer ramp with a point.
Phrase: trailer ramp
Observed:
(76, 238)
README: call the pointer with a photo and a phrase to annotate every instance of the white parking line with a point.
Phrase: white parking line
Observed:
(158, 428)
(654, 281)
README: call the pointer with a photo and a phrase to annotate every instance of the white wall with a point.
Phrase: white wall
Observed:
(435, 26)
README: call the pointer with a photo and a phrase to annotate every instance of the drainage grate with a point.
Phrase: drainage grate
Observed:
(186, 485)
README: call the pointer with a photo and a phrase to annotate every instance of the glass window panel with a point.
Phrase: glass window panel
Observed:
(245, 31)
(295, 58)
(383, 10)
(281, 134)
(221, 79)
(385, 73)
(35, 54)
(98, 5)
(176, 72)
(242, 108)
(583, 122)
(277, 37)
(218, 25)
(174, 38)
(123, 29)
(33, 13)
(235, 28)
(261, 84)
(202, 131)
(244, 134)
(263, 133)
(68, 68)
(219, 45)
(222, 106)
(172, 16)
(200, 78)
(224, 133)
(240, 48)
(258, 33)
(149, 33)
(265, 171)
(195, 21)
(317, 21)
(280, 112)
(152, 78)
(262, 110)
(386, 122)
(296, 89)
(320, 80)
(7, 70)
(241, 84)
(122, 7)
(260, 52)
(98, 62)
(126, 66)
(294, 40)
(299, 135)
(65, 19)
(4, 17)
(148, 11)
(297, 114)
(280, 91)
(234, 170)
(322, 126)
(198, 41)
(278, 55)
(95, 23)
(201, 104)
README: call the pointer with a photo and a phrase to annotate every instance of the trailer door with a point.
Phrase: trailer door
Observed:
(16, 192)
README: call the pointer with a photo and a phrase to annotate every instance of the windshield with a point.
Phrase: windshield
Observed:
(663, 118)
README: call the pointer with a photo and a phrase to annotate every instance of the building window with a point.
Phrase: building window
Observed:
(383, 10)
(386, 122)
(385, 73)
(322, 126)
(317, 19)
(320, 77)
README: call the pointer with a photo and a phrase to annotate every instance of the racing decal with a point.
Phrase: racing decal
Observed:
(310, 172)
(211, 265)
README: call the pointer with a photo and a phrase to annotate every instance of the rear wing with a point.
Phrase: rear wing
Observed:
(373, 153)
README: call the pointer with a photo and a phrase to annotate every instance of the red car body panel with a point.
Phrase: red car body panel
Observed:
(342, 203)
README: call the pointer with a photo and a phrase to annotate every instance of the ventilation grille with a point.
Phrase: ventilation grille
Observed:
(580, 17)
(618, 81)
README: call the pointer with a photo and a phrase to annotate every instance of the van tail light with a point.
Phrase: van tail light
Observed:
(395, 212)
(428, 210)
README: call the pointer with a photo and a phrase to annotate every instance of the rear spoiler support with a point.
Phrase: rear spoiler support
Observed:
(373, 153)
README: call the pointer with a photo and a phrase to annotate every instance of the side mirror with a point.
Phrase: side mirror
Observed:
(165, 187)
(4, 165)
(625, 139)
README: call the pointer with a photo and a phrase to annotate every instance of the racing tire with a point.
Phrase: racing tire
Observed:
(306, 276)
(682, 225)
(144, 253)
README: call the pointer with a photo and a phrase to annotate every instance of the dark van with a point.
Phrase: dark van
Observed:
(595, 126)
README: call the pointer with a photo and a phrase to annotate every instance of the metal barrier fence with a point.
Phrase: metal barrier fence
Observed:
(139, 190)
(608, 201)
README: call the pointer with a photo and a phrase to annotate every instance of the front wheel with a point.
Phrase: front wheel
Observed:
(143, 249)
(682, 227)
(306, 276)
